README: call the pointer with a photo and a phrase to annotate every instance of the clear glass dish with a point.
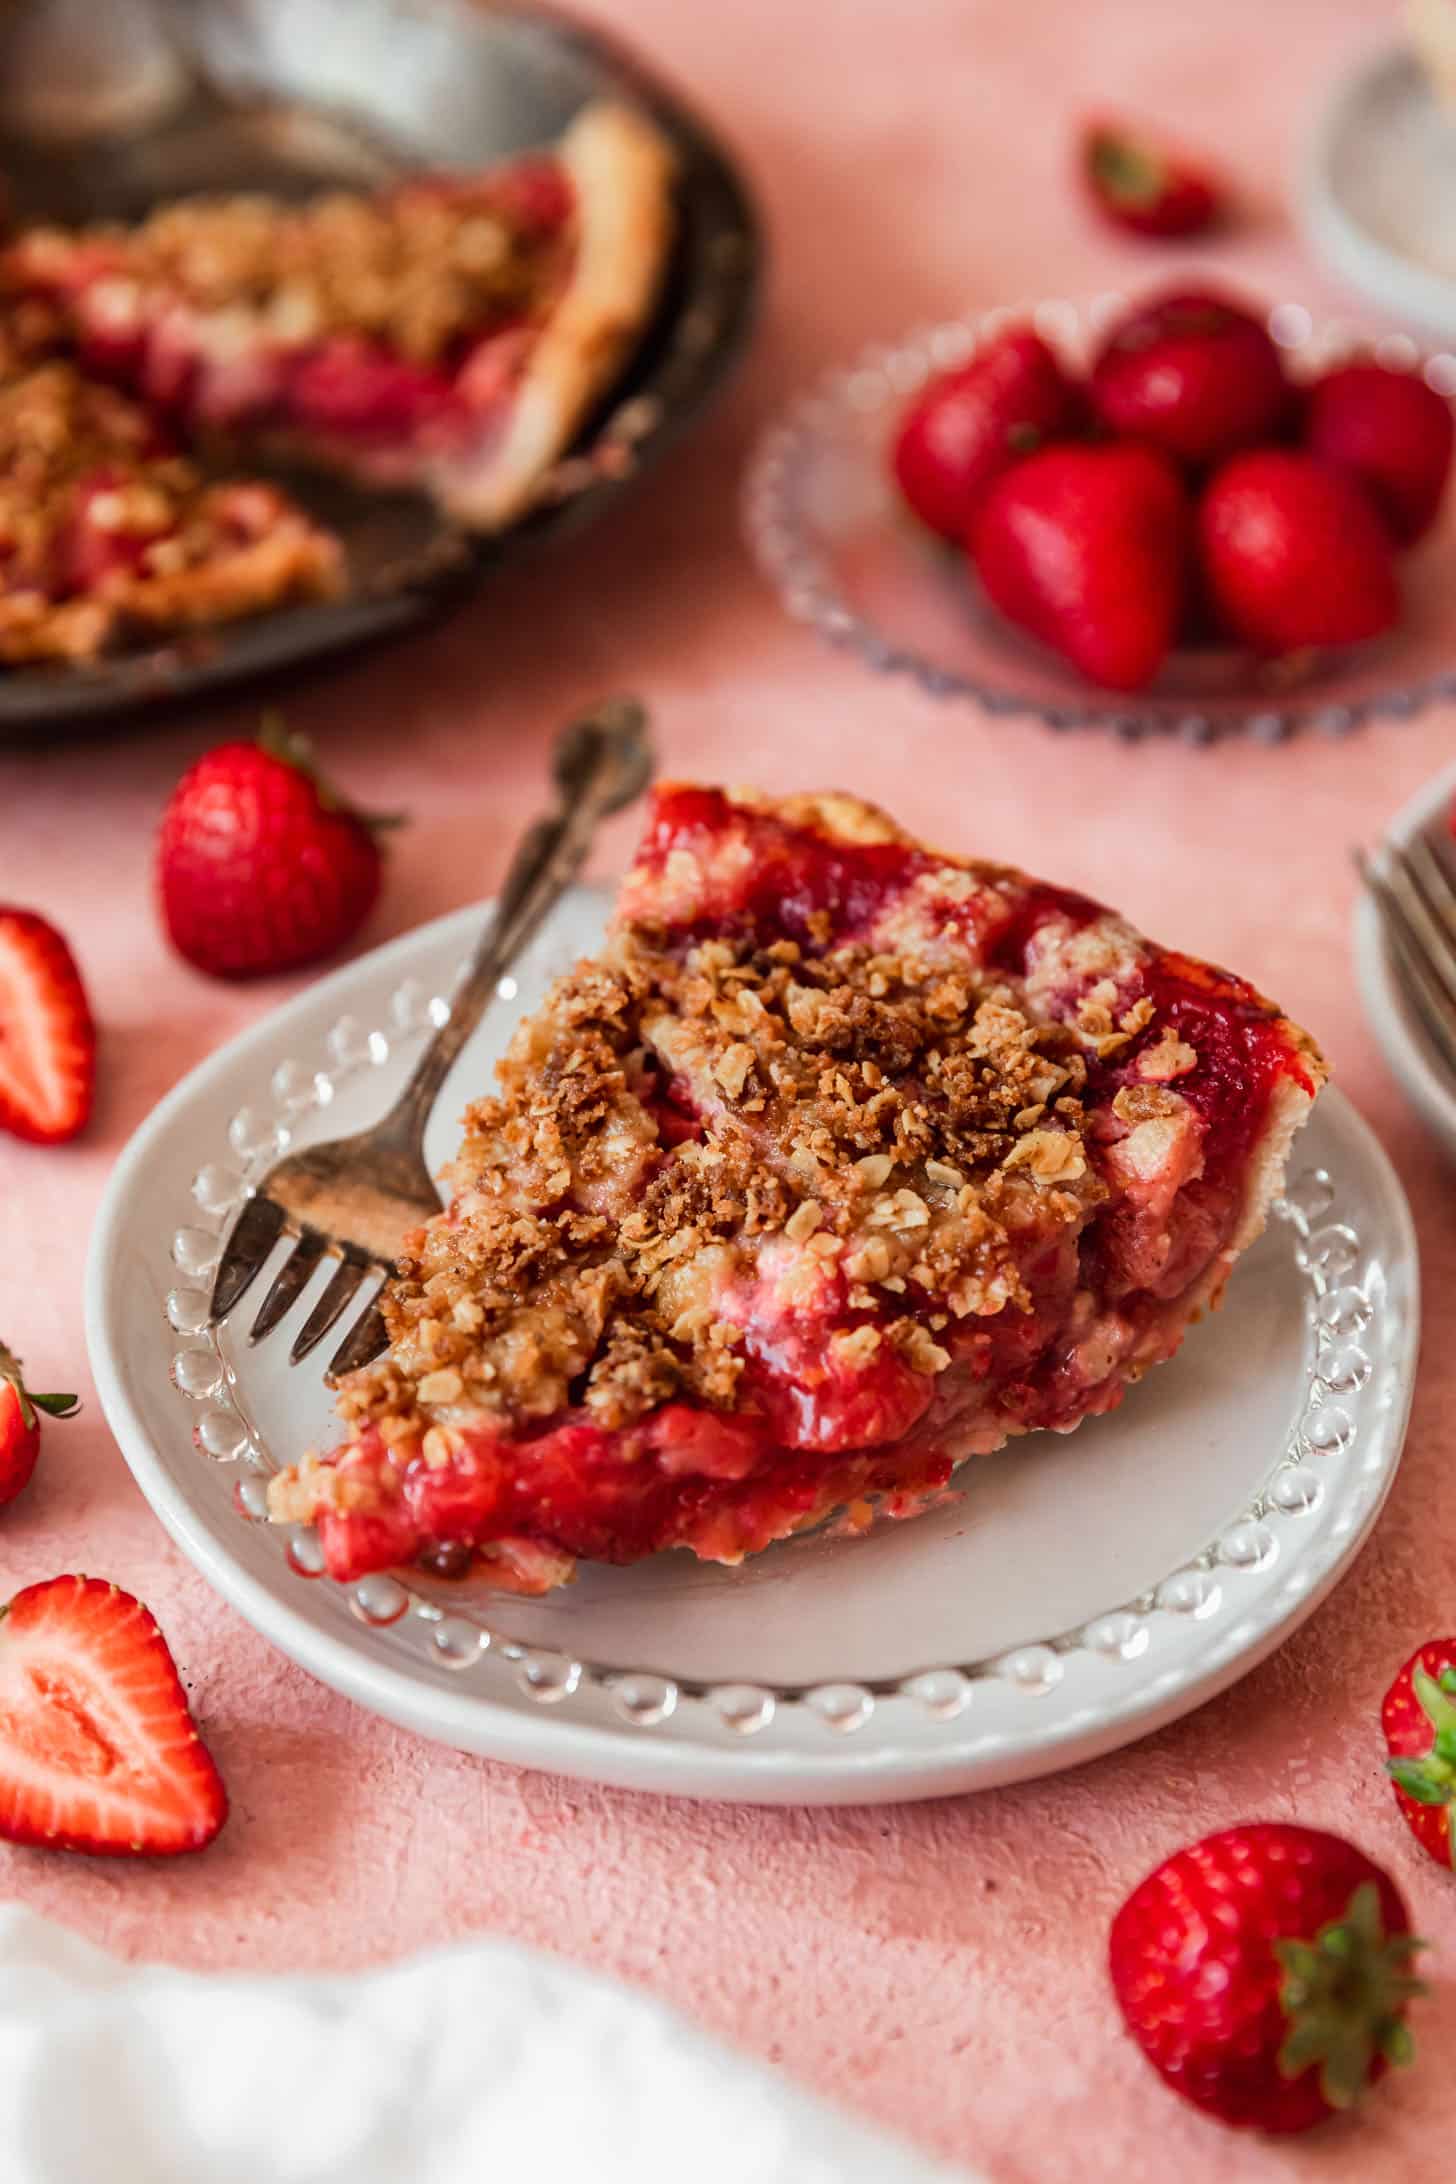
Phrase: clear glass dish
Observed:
(825, 524)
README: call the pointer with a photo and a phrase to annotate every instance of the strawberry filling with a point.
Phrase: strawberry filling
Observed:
(356, 388)
(1241, 1054)
(763, 873)
(685, 1474)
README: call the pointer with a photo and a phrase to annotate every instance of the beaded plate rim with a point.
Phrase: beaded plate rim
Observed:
(1211, 1590)
(885, 373)
(1402, 1037)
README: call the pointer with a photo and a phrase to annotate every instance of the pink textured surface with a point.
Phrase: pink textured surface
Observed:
(939, 1967)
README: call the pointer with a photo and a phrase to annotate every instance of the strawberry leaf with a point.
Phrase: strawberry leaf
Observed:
(1438, 1707)
(1343, 1996)
(1427, 1784)
(56, 1406)
(295, 750)
(1130, 173)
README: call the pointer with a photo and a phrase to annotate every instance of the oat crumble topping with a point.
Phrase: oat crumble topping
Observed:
(865, 1109)
(101, 527)
(416, 268)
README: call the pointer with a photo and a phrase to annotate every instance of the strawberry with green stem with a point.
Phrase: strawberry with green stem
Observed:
(1141, 182)
(1419, 1720)
(20, 1409)
(1265, 1972)
(262, 866)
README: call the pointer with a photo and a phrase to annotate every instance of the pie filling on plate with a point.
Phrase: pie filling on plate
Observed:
(451, 333)
(842, 1162)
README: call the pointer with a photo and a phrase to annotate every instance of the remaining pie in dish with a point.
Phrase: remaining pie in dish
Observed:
(843, 1161)
(452, 332)
(106, 532)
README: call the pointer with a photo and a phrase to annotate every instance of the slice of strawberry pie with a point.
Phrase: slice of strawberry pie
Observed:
(843, 1161)
(452, 332)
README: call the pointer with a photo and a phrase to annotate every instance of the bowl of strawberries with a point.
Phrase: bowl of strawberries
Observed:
(1188, 514)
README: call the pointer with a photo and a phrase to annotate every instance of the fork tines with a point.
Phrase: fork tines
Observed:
(1416, 898)
(259, 1226)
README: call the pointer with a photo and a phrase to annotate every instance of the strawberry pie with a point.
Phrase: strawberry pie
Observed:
(843, 1161)
(451, 332)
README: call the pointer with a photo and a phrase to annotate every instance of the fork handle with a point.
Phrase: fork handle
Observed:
(601, 763)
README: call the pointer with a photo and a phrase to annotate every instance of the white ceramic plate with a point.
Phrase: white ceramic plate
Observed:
(1404, 1040)
(1079, 1592)
(1378, 190)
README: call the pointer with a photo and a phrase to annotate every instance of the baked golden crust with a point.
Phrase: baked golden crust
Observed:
(621, 168)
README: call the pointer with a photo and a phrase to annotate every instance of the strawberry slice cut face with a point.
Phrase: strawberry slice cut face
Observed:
(47, 1039)
(98, 1751)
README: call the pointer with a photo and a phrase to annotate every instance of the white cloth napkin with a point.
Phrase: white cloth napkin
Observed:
(476, 2062)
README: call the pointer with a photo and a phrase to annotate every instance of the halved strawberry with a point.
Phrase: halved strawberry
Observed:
(98, 1751)
(1419, 1720)
(47, 1037)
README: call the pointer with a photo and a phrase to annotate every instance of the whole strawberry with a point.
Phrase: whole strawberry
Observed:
(20, 1411)
(47, 1035)
(1419, 1720)
(1085, 548)
(1145, 185)
(1265, 1974)
(1391, 433)
(970, 424)
(1293, 555)
(1193, 374)
(261, 868)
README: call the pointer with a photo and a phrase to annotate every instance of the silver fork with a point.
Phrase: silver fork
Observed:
(355, 1199)
(1415, 897)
